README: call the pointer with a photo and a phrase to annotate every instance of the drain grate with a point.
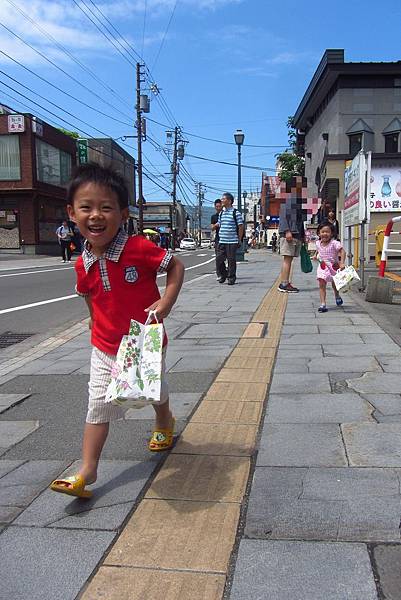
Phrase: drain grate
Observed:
(9, 338)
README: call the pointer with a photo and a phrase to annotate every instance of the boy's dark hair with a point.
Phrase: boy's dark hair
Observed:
(217, 201)
(104, 176)
(229, 196)
(329, 225)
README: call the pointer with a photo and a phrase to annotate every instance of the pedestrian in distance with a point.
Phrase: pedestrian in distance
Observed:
(64, 235)
(331, 218)
(231, 232)
(292, 234)
(328, 251)
(274, 242)
(214, 226)
(116, 274)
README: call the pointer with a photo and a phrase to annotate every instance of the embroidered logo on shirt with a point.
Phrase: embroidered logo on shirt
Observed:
(131, 274)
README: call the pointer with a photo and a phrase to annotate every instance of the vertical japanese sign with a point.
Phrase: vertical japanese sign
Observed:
(82, 151)
(355, 190)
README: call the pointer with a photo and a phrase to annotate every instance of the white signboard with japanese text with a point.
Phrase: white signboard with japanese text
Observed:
(385, 187)
(356, 189)
(16, 123)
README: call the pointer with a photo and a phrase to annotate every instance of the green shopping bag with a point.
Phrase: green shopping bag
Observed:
(306, 263)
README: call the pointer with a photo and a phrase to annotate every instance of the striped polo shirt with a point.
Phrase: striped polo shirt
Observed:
(228, 227)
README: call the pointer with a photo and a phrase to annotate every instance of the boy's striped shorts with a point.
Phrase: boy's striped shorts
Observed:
(100, 375)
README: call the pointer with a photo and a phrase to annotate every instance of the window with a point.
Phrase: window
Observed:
(355, 143)
(53, 165)
(391, 142)
(10, 164)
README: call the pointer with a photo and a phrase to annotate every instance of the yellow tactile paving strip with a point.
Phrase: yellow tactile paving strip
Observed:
(178, 542)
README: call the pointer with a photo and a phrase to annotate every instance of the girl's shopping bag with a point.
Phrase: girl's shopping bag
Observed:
(345, 278)
(306, 263)
(136, 374)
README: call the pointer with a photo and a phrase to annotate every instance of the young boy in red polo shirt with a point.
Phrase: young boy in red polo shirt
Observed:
(117, 276)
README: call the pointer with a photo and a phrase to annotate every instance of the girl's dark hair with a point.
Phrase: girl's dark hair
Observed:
(329, 225)
(104, 176)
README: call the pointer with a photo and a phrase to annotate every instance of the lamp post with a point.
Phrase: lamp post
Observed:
(239, 140)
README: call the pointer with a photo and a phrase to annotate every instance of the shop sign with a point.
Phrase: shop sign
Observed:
(37, 126)
(16, 123)
(385, 187)
(355, 205)
(82, 151)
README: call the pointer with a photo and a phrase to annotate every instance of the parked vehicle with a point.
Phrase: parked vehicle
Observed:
(188, 244)
(206, 244)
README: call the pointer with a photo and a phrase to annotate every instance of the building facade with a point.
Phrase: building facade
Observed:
(348, 107)
(35, 165)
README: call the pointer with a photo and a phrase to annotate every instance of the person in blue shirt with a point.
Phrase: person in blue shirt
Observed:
(231, 232)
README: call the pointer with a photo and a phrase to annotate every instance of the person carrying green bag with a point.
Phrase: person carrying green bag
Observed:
(306, 263)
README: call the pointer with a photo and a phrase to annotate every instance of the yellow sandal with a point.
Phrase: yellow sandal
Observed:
(162, 439)
(72, 486)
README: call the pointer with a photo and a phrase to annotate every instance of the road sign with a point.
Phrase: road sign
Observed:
(82, 151)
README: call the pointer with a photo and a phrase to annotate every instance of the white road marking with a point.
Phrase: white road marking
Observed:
(24, 306)
(36, 272)
(42, 302)
(31, 267)
(201, 255)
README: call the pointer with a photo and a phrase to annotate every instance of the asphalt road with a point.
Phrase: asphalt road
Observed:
(30, 281)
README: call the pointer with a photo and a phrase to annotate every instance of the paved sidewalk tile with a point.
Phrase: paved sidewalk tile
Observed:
(225, 411)
(117, 488)
(360, 349)
(211, 331)
(12, 432)
(317, 408)
(319, 570)
(251, 353)
(217, 439)
(304, 352)
(389, 364)
(326, 504)
(321, 338)
(387, 404)
(299, 383)
(201, 478)
(295, 365)
(334, 364)
(242, 362)
(373, 444)
(6, 466)
(243, 375)
(177, 534)
(66, 561)
(388, 563)
(182, 404)
(8, 400)
(137, 584)
(380, 383)
(240, 392)
(301, 445)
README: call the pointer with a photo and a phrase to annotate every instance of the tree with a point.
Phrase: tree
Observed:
(289, 163)
(73, 134)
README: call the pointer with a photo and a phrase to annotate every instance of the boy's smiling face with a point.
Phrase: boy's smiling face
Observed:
(98, 215)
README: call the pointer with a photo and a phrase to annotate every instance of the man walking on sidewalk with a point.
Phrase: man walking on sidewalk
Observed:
(231, 231)
(214, 226)
(292, 234)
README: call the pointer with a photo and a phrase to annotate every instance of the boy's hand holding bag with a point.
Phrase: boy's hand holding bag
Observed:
(136, 373)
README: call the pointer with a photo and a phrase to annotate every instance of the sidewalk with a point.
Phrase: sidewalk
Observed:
(297, 498)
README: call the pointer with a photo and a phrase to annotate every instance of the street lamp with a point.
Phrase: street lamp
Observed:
(239, 140)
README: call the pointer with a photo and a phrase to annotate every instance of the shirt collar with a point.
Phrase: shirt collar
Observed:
(112, 253)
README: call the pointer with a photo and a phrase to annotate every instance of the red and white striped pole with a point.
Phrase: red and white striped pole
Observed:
(387, 233)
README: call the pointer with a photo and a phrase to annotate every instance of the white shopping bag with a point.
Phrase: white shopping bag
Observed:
(136, 374)
(345, 278)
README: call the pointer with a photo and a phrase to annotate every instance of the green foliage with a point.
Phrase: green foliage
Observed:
(73, 134)
(290, 165)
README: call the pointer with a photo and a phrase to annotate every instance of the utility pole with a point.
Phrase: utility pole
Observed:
(139, 67)
(201, 196)
(174, 169)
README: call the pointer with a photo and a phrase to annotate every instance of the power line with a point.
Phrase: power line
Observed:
(62, 70)
(63, 91)
(66, 51)
(222, 162)
(165, 34)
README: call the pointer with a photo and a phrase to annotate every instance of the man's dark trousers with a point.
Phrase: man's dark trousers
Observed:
(226, 252)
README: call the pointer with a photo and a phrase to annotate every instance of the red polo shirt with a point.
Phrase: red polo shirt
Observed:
(120, 285)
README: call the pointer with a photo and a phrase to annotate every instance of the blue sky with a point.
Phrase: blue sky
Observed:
(222, 65)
